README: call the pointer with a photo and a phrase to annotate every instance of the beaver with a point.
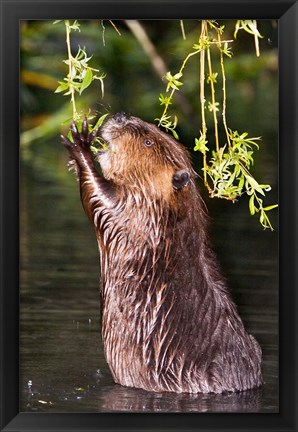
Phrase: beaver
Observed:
(168, 320)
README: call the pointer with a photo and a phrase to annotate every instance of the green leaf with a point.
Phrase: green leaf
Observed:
(201, 144)
(197, 47)
(255, 185)
(241, 182)
(267, 188)
(252, 205)
(212, 78)
(62, 87)
(100, 121)
(101, 78)
(237, 170)
(231, 179)
(69, 136)
(227, 50)
(270, 207)
(220, 152)
(164, 100)
(175, 134)
(87, 80)
(75, 26)
(213, 106)
(73, 73)
(174, 82)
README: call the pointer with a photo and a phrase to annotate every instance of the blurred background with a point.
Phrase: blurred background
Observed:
(62, 364)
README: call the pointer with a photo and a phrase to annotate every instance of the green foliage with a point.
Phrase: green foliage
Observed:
(169, 124)
(226, 50)
(78, 79)
(81, 76)
(174, 82)
(227, 174)
(80, 73)
(250, 26)
(201, 144)
(229, 171)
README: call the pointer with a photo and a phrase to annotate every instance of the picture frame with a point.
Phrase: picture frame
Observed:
(287, 14)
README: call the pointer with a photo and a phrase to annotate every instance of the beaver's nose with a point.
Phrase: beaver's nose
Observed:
(121, 117)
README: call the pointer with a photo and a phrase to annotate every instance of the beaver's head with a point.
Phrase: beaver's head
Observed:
(139, 153)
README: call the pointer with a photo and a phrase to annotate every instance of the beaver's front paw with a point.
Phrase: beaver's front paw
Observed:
(81, 140)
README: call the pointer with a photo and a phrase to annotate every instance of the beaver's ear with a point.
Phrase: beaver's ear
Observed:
(180, 179)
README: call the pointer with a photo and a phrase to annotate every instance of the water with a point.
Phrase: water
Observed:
(62, 367)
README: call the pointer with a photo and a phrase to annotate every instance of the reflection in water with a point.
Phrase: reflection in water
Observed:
(62, 363)
(119, 399)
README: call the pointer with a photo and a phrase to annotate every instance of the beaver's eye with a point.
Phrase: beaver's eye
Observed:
(148, 143)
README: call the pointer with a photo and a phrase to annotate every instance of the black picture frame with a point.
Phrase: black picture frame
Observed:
(13, 11)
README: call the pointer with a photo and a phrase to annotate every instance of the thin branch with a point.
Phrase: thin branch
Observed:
(213, 99)
(156, 60)
(224, 91)
(182, 29)
(115, 28)
(69, 76)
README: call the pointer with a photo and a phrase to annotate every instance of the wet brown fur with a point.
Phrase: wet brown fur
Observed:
(168, 322)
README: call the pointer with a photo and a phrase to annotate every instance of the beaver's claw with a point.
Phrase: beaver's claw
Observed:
(81, 140)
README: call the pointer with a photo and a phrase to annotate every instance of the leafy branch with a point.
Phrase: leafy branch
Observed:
(79, 78)
(80, 73)
(227, 174)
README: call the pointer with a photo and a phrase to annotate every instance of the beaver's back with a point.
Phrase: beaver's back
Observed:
(168, 321)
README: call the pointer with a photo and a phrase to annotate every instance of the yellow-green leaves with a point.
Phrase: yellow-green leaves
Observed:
(169, 124)
(256, 206)
(87, 80)
(100, 121)
(229, 173)
(212, 77)
(173, 81)
(80, 73)
(250, 26)
(201, 144)
(226, 50)
(213, 106)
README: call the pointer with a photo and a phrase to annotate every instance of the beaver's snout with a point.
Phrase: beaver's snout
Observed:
(121, 117)
(114, 126)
